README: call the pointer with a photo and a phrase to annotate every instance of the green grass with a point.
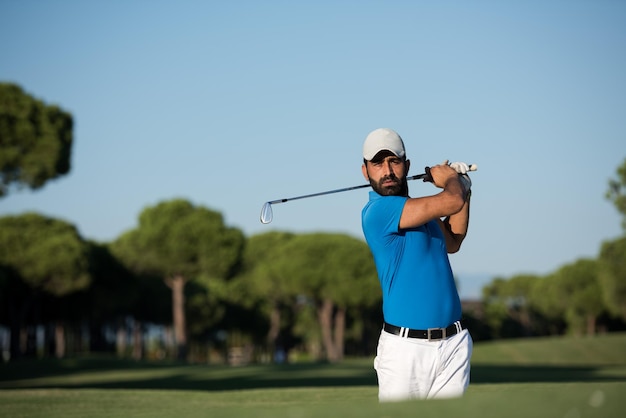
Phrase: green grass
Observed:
(552, 377)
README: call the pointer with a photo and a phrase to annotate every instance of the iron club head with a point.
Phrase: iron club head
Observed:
(266, 213)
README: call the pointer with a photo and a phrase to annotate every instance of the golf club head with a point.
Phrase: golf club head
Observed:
(266, 213)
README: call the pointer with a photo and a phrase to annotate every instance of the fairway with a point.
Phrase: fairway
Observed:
(547, 377)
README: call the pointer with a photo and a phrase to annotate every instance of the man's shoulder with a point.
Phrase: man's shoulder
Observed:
(377, 198)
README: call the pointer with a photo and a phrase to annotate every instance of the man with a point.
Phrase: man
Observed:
(424, 349)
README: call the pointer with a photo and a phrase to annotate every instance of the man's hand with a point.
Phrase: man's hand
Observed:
(441, 173)
(462, 169)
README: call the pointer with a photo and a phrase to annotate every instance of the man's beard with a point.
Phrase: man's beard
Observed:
(400, 187)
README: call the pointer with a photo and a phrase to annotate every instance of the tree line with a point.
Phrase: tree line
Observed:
(184, 269)
(184, 285)
(213, 290)
(586, 296)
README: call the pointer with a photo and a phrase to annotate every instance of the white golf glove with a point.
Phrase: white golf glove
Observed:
(461, 168)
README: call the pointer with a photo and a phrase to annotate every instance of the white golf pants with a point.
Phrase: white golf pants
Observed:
(412, 368)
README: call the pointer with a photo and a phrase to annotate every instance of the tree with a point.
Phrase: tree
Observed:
(335, 272)
(508, 306)
(35, 140)
(547, 299)
(263, 285)
(612, 256)
(617, 191)
(115, 294)
(612, 275)
(40, 254)
(180, 242)
(578, 295)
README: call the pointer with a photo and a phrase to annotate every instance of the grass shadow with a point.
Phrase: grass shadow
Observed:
(537, 373)
(123, 374)
(109, 373)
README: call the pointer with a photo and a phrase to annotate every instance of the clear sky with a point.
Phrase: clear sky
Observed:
(232, 104)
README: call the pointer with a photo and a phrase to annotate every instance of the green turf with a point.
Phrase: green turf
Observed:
(560, 377)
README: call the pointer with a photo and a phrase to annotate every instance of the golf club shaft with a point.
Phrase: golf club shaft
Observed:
(362, 186)
(267, 214)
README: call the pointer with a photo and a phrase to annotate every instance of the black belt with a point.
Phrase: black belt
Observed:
(431, 334)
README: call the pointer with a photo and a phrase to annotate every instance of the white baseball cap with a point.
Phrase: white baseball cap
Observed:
(383, 139)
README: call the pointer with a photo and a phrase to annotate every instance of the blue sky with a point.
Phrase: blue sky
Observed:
(232, 104)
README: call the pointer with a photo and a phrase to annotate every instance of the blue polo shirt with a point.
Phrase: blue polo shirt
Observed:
(417, 283)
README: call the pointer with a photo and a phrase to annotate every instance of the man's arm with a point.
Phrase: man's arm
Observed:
(454, 227)
(448, 202)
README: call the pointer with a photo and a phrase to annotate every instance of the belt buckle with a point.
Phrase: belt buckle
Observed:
(430, 337)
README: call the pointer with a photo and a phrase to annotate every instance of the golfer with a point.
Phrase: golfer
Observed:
(424, 349)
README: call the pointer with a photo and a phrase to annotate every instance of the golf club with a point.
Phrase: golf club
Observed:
(267, 215)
